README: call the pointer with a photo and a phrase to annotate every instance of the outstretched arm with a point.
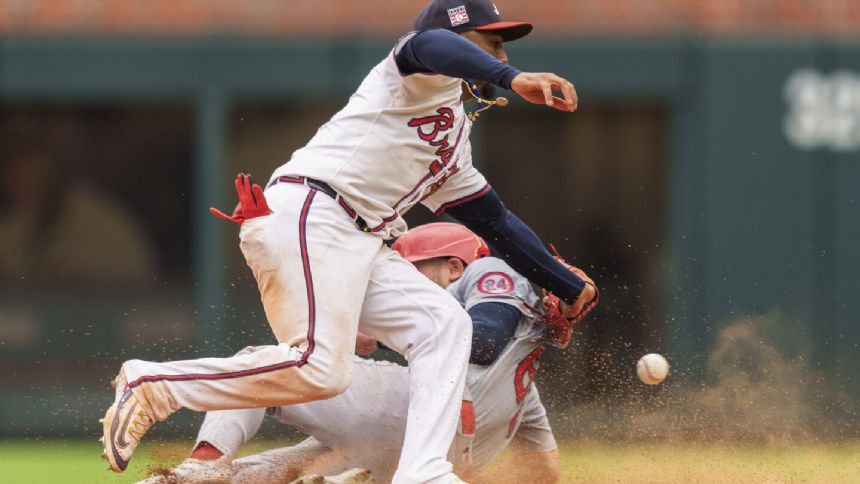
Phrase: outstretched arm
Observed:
(516, 243)
(444, 52)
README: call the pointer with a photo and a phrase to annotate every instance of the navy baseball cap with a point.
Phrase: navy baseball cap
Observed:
(463, 15)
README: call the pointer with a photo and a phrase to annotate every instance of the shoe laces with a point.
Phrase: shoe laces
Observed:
(140, 424)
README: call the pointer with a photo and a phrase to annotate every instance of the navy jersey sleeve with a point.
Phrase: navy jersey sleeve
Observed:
(444, 52)
(501, 304)
(493, 326)
(516, 243)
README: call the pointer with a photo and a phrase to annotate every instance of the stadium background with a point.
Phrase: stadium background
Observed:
(709, 182)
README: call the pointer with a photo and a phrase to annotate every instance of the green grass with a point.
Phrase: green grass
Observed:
(59, 462)
(73, 461)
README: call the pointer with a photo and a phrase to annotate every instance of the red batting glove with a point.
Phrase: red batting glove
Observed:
(237, 216)
(252, 202)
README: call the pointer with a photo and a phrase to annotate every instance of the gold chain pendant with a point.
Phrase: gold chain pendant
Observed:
(483, 104)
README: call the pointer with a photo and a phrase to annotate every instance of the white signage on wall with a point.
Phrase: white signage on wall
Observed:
(823, 110)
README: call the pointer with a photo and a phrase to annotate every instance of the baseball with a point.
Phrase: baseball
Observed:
(652, 369)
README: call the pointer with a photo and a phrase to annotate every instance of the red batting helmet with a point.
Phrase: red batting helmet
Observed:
(441, 239)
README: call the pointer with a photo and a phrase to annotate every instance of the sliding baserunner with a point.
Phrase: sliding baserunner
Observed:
(364, 426)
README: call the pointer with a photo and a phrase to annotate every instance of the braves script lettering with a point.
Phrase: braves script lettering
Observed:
(435, 130)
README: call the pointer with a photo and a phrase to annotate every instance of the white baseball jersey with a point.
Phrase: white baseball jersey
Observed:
(505, 399)
(400, 140)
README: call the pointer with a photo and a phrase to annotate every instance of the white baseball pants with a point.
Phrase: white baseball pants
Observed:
(319, 278)
(362, 427)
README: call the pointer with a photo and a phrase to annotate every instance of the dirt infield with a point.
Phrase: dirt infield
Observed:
(706, 464)
(58, 462)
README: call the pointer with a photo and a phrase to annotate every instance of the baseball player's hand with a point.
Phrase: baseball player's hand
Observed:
(560, 317)
(587, 300)
(538, 87)
(252, 202)
(556, 311)
(365, 345)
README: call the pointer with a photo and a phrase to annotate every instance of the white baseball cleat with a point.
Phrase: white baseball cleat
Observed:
(196, 471)
(123, 426)
(352, 476)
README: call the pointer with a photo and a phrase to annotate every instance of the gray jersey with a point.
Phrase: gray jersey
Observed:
(505, 400)
(367, 422)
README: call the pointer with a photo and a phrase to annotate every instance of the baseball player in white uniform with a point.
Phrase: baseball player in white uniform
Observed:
(316, 247)
(364, 427)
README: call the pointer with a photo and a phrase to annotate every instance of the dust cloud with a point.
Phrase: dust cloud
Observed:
(760, 385)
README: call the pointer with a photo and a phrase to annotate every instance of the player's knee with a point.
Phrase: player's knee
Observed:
(320, 377)
(446, 319)
(458, 327)
(311, 385)
(453, 328)
(448, 330)
(331, 388)
(327, 381)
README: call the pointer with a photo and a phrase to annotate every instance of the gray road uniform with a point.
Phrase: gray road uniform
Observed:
(505, 399)
(365, 426)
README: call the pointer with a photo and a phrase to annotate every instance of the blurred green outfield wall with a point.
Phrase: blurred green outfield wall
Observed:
(763, 172)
